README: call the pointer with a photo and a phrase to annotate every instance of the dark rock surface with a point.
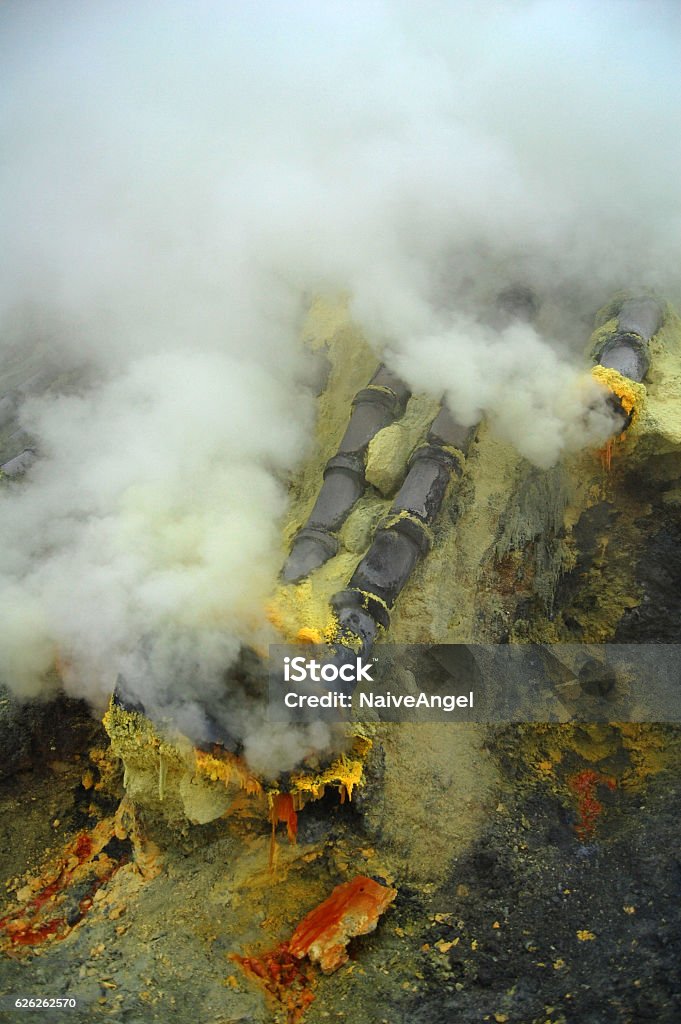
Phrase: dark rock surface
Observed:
(32, 732)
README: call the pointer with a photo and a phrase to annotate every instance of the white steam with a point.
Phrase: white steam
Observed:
(178, 176)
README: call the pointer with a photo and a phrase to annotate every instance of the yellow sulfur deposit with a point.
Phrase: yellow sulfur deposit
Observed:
(182, 781)
(345, 773)
(630, 393)
(227, 769)
(301, 614)
(631, 396)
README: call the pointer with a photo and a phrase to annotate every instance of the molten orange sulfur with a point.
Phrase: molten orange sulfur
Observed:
(630, 395)
(282, 808)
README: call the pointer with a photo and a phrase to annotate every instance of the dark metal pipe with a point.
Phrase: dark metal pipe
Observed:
(405, 535)
(626, 351)
(642, 316)
(374, 407)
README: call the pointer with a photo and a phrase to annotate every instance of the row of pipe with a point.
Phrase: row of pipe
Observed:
(405, 535)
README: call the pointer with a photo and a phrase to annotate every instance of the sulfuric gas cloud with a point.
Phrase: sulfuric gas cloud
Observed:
(180, 178)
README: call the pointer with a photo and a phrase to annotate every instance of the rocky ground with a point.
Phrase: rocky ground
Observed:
(555, 912)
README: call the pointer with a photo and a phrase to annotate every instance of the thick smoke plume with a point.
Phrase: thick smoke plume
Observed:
(178, 177)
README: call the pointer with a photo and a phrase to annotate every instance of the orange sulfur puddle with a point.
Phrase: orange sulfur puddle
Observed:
(353, 908)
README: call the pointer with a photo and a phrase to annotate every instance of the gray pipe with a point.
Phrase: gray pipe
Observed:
(374, 407)
(626, 351)
(405, 536)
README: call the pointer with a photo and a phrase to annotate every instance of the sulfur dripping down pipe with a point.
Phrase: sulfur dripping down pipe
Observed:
(374, 407)
(624, 355)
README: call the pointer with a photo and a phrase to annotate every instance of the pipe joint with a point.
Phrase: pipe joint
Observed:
(350, 463)
(378, 394)
(361, 612)
(409, 524)
(451, 459)
(312, 547)
(627, 353)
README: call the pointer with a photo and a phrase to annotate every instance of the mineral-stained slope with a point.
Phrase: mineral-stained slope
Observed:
(535, 866)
